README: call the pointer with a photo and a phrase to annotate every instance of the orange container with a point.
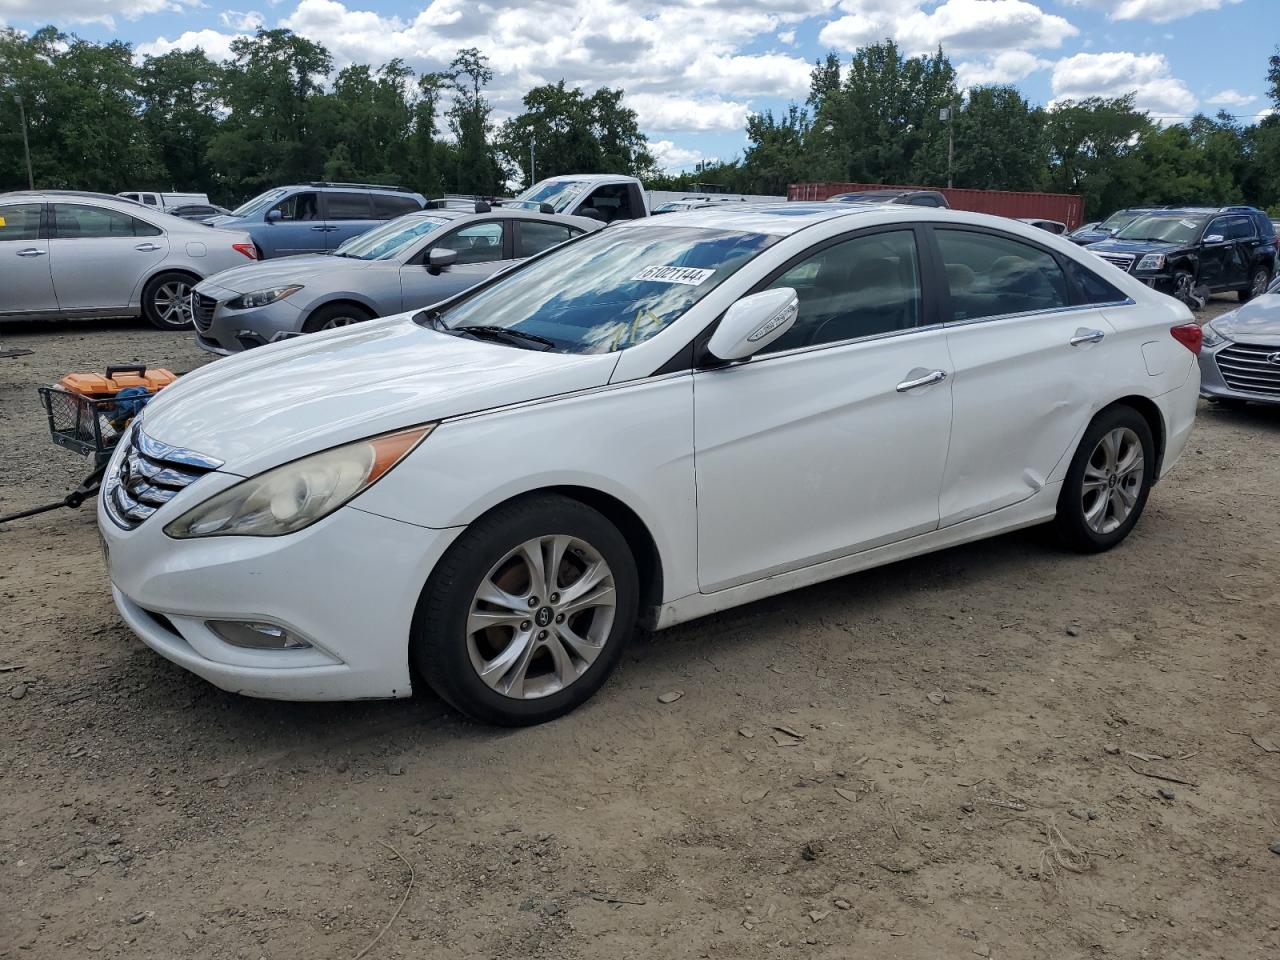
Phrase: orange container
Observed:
(116, 379)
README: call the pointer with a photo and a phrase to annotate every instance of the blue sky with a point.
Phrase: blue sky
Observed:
(693, 69)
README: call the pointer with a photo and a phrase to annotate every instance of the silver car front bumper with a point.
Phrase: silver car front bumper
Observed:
(224, 331)
(1241, 371)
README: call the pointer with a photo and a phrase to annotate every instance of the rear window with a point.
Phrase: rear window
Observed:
(386, 206)
(991, 276)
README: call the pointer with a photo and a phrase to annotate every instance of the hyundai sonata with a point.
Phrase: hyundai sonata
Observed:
(646, 424)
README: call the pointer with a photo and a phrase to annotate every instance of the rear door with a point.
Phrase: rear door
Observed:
(347, 215)
(98, 256)
(1222, 262)
(25, 276)
(483, 248)
(1027, 367)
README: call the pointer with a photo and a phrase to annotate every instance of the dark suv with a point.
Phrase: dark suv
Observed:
(1196, 252)
(916, 198)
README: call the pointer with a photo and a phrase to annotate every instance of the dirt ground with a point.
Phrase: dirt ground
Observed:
(947, 757)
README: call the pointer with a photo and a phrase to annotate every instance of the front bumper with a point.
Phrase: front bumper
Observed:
(348, 584)
(231, 331)
(1214, 386)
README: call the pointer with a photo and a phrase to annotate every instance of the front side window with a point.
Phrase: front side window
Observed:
(75, 221)
(559, 194)
(20, 221)
(611, 290)
(534, 237)
(258, 203)
(991, 276)
(384, 242)
(477, 243)
(300, 206)
(858, 288)
(349, 206)
(1231, 228)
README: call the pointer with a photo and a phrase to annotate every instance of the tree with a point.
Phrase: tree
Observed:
(998, 144)
(179, 93)
(430, 162)
(1091, 148)
(775, 155)
(477, 170)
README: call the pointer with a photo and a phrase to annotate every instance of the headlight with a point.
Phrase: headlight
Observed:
(1152, 261)
(260, 298)
(1212, 338)
(296, 495)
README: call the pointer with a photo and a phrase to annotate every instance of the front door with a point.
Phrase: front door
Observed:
(99, 256)
(301, 227)
(834, 439)
(1022, 389)
(25, 276)
(483, 247)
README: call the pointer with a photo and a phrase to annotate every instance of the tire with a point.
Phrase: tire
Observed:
(557, 675)
(333, 315)
(166, 300)
(1184, 289)
(1259, 278)
(1083, 528)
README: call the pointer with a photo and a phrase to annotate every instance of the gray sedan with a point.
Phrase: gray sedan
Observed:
(407, 263)
(70, 253)
(1240, 359)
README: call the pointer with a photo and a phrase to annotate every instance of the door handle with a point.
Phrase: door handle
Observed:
(147, 247)
(321, 227)
(32, 252)
(1084, 336)
(937, 376)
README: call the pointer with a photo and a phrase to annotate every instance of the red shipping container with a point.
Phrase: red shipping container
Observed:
(1067, 208)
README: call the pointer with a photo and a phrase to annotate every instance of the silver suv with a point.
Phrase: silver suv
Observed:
(72, 254)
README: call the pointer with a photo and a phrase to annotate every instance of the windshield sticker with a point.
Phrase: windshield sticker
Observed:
(1189, 224)
(689, 276)
(2, 221)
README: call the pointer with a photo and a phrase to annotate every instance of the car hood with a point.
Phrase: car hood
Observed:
(1258, 321)
(265, 274)
(1089, 236)
(1132, 246)
(273, 404)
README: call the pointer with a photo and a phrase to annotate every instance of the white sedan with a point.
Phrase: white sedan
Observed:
(651, 423)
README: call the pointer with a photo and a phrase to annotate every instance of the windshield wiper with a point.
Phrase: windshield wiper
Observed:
(481, 332)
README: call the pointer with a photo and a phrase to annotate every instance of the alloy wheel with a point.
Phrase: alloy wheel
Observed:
(342, 320)
(1260, 281)
(1112, 480)
(541, 616)
(172, 302)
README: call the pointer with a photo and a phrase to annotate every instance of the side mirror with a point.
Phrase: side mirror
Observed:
(753, 323)
(274, 216)
(441, 259)
(1215, 238)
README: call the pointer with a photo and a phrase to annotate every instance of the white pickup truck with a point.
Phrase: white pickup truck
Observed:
(164, 202)
(610, 197)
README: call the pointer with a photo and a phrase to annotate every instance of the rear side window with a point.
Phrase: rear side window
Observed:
(149, 199)
(1093, 289)
(477, 243)
(20, 221)
(992, 276)
(534, 237)
(74, 221)
(349, 206)
(858, 288)
(386, 206)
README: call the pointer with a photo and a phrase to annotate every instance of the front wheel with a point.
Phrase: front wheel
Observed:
(1259, 280)
(166, 301)
(334, 315)
(528, 613)
(1108, 481)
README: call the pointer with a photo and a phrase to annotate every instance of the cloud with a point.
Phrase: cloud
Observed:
(670, 157)
(673, 114)
(216, 45)
(1157, 11)
(247, 21)
(82, 11)
(1230, 98)
(959, 26)
(1115, 74)
(1008, 66)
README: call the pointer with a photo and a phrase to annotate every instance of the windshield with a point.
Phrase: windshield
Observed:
(558, 193)
(611, 289)
(1169, 229)
(384, 242)
(1117, 220)
(259, 202)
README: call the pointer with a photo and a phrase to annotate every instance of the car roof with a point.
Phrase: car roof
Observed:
(83, 194)
(777, 219)
(585, 177)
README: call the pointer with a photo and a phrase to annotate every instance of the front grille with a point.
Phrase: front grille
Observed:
(148, 475)
(1251, 368)
(1122, 260)
(202, 308)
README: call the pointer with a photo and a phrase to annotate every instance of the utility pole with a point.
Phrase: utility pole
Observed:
(532, 181)
(949, 115)
(26, 147)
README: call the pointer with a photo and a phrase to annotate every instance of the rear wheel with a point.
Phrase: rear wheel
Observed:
(1259, 279)
(334, 315)
(528, 613)
(166, 301)
(1108, 481)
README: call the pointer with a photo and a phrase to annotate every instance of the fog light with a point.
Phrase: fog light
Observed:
(256, 635)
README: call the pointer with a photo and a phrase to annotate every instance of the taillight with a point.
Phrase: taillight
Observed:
(247, 249)
(1189, 335)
